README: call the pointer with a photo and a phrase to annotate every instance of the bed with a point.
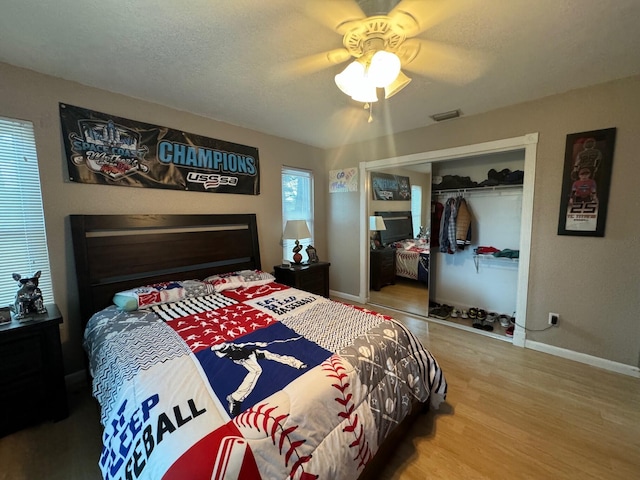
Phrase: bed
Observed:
(208, 368)
(412, 254)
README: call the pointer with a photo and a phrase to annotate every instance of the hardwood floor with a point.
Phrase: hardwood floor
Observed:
(412, 297)
(407, 295)
(511, 413)
(515, 413)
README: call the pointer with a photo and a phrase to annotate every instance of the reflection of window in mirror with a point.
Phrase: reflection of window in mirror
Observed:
(416, 209)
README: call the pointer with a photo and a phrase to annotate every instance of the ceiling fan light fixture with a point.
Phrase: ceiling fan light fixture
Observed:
(353, 81)
(398, 84)
(383, 68)
(349, 79)
(365, 93)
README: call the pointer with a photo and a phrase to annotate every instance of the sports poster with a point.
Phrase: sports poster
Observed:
(586, 180)
(108, 150)
(385, 186)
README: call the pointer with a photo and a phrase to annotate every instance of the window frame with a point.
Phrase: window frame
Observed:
(306, 213)
(23, 237)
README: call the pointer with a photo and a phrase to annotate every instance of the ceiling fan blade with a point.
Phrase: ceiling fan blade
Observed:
(334, 14)
(417, 16)
(445, 62)
(311, 64)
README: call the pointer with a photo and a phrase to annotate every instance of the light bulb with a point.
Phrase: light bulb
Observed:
(383, 69)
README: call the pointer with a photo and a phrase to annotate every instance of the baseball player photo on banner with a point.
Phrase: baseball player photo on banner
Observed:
(586, 181)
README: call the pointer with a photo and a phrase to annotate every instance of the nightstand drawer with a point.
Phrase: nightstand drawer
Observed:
(21, 403)
(312, 277)
(386, 261)
(312, 283)
(382, 268)
(20, 357)
(32, 386)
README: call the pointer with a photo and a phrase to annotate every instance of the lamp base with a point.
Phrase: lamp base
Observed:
(297, 258)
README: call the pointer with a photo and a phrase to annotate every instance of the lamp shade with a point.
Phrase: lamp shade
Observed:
(383, 69)
(354, 82)
(350, 77)
(376, 223)
(296, 229)
(398, 84)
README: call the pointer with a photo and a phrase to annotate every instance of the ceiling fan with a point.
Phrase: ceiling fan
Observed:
(379, 45)
(379, 37)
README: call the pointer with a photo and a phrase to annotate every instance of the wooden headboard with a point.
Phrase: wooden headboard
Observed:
(119, 252)
(399, 226)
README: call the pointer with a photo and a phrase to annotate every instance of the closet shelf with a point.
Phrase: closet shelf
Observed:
(463, 191)
(478, 256)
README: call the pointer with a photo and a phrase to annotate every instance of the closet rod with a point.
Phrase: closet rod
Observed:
(498, 189)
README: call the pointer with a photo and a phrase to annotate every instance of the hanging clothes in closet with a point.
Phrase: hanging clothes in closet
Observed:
(455, 228)
(463, 223)
(437, 210)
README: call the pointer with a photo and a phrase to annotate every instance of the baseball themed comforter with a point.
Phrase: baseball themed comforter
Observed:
(412, 259)
(257, 382)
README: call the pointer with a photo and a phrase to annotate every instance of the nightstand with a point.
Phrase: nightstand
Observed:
(32, 386)
(382, 268)
(311, 277)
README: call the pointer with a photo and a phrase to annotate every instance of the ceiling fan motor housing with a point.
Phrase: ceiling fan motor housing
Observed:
(377, 7)
(373, 34)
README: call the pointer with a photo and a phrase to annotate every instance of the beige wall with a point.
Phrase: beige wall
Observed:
(593, 283)
(34, 97)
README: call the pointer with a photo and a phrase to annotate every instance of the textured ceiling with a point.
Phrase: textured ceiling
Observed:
(262, 64)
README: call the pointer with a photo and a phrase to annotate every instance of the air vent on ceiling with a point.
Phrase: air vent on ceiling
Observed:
(438, 117)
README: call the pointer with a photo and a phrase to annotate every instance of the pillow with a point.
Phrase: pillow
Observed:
(242, 278)
(158, 293)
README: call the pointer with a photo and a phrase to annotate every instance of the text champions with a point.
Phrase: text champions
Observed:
(206, 158)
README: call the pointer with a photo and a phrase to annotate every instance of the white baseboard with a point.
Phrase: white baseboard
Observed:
(603, 363)
(598, 362)
(346, 296)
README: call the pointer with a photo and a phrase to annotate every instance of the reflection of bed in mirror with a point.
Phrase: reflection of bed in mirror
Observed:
(412, 254)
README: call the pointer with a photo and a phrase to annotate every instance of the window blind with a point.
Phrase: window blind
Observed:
(23, 241)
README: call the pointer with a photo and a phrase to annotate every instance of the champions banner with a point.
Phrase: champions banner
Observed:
(110, 150)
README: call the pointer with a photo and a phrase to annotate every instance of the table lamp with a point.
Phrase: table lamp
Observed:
(376, 223)
(295, 230)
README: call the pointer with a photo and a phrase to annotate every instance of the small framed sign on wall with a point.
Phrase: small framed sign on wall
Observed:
(586, 180)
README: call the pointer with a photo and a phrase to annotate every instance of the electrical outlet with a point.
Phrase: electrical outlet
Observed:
(554, 318)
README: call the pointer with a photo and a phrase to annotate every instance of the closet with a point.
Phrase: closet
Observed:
(503, 283)
(465, 279)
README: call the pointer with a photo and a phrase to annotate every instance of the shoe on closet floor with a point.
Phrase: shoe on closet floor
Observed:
(505, 320)
(441, 312)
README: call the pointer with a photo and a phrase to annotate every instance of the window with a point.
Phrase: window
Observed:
(23, 241)
(416, 208)
(297, 204)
